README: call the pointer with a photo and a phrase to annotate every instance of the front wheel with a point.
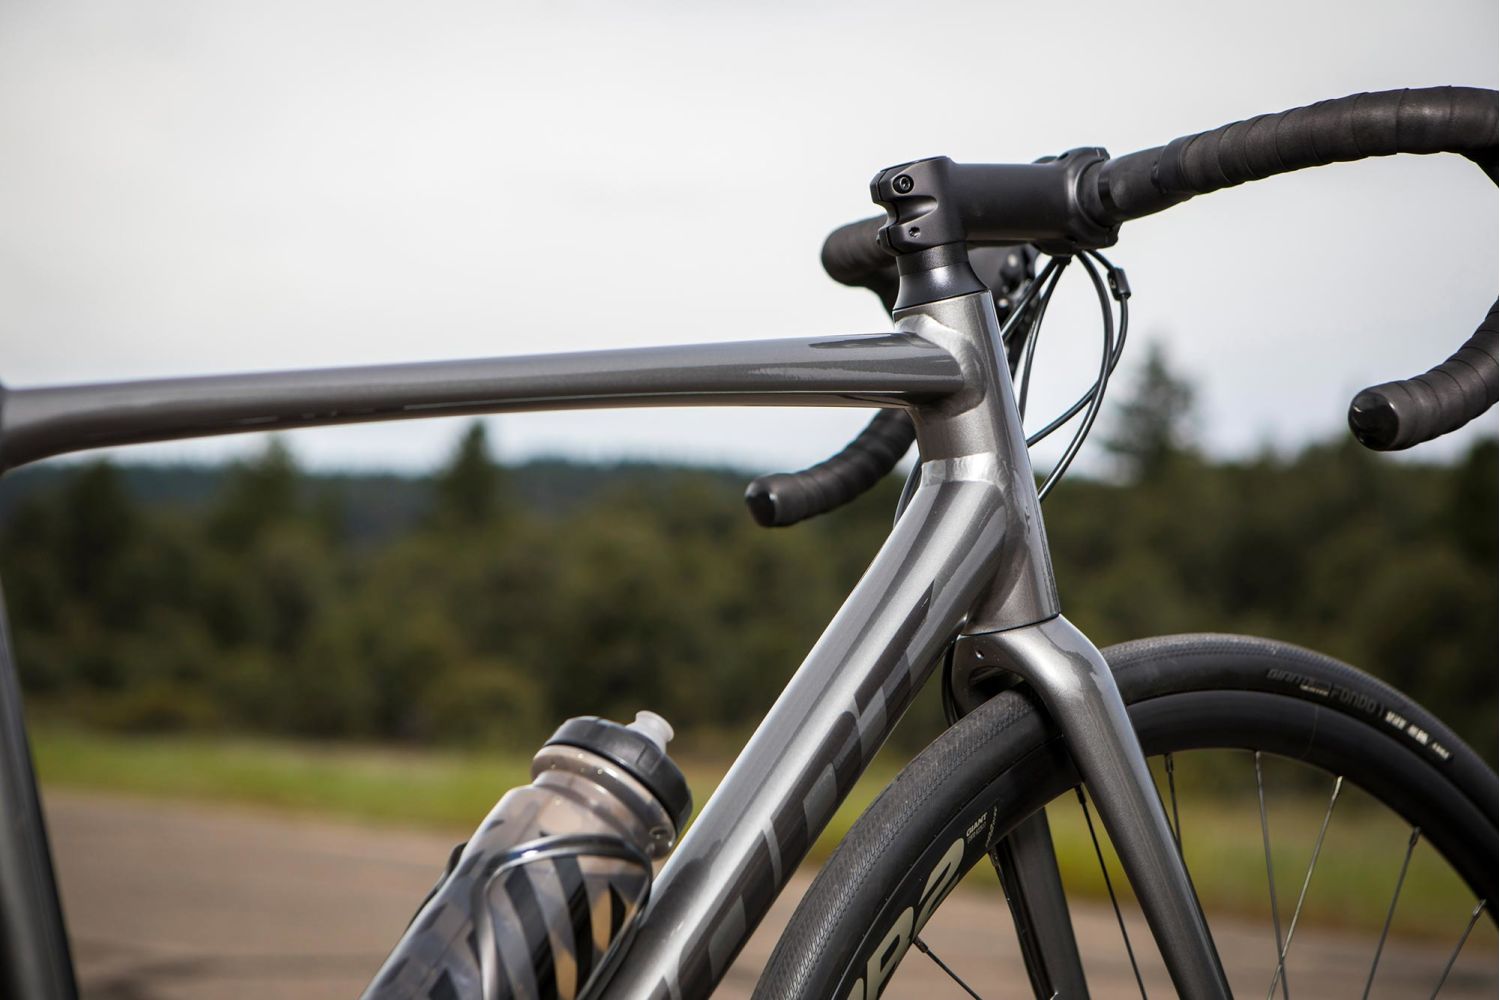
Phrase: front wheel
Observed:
(1269, 737)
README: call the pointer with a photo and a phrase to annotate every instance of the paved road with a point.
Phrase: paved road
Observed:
(169, 901)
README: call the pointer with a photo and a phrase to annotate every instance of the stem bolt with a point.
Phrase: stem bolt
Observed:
(903, 184)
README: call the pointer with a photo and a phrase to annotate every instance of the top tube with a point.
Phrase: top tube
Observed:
(890, 369)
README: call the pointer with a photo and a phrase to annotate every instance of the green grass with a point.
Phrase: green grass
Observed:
(442, 790)
(445, 790)
(452, 791)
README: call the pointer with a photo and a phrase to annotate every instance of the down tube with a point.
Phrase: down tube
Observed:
(816, 741)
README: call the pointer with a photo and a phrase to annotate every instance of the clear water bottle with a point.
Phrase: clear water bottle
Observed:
(541, 899)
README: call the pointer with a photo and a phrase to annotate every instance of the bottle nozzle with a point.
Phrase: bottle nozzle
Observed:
(653, 727)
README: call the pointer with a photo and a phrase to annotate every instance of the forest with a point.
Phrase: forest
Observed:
(484, 604)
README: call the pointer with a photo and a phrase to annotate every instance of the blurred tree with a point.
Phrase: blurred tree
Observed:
(1470, 513)
(609, 590)
(468, 490)
(97, 523)
(256, 494)
(1152, 425)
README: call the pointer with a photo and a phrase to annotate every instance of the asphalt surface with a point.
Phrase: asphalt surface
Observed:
(168, 901)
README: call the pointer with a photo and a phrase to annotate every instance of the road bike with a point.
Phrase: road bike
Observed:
(962, 589)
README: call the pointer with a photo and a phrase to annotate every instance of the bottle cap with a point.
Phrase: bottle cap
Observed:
(654, 728)
(639, 749)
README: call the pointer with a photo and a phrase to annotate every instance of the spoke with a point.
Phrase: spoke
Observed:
(1172, 788)
(922, 947)
(1333, 799)
(1411, 844)
(1109, 887)
(1265, 839)
(1473, 919)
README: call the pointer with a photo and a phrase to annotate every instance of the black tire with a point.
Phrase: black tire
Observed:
(1000, 764)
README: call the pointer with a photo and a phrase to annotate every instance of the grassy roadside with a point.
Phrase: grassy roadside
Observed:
(445, 790)
(451, 791)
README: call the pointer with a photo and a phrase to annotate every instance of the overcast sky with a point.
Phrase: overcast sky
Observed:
(191, 187)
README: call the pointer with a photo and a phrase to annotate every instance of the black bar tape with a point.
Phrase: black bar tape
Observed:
(1396, 415)
(1433, 120)
(1461, 120)
(852, 256)
(784, 498)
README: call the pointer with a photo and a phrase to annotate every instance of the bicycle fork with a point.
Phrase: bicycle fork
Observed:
(1017, 629)
(1074, 684)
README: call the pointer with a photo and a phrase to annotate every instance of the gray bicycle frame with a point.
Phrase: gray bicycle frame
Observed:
(967, 562)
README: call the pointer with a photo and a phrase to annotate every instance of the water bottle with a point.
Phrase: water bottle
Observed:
(541, 900)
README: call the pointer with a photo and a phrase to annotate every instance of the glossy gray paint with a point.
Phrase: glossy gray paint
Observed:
(970, 538)
(889, 369)
(818, 737)
(980, 426)
(969, 552)
(1070, 676)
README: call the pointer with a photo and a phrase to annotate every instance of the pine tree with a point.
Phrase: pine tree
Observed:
(1152, 426)
(256, 495)
(468, 489)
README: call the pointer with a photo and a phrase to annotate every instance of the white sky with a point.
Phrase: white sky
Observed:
(192, 188)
